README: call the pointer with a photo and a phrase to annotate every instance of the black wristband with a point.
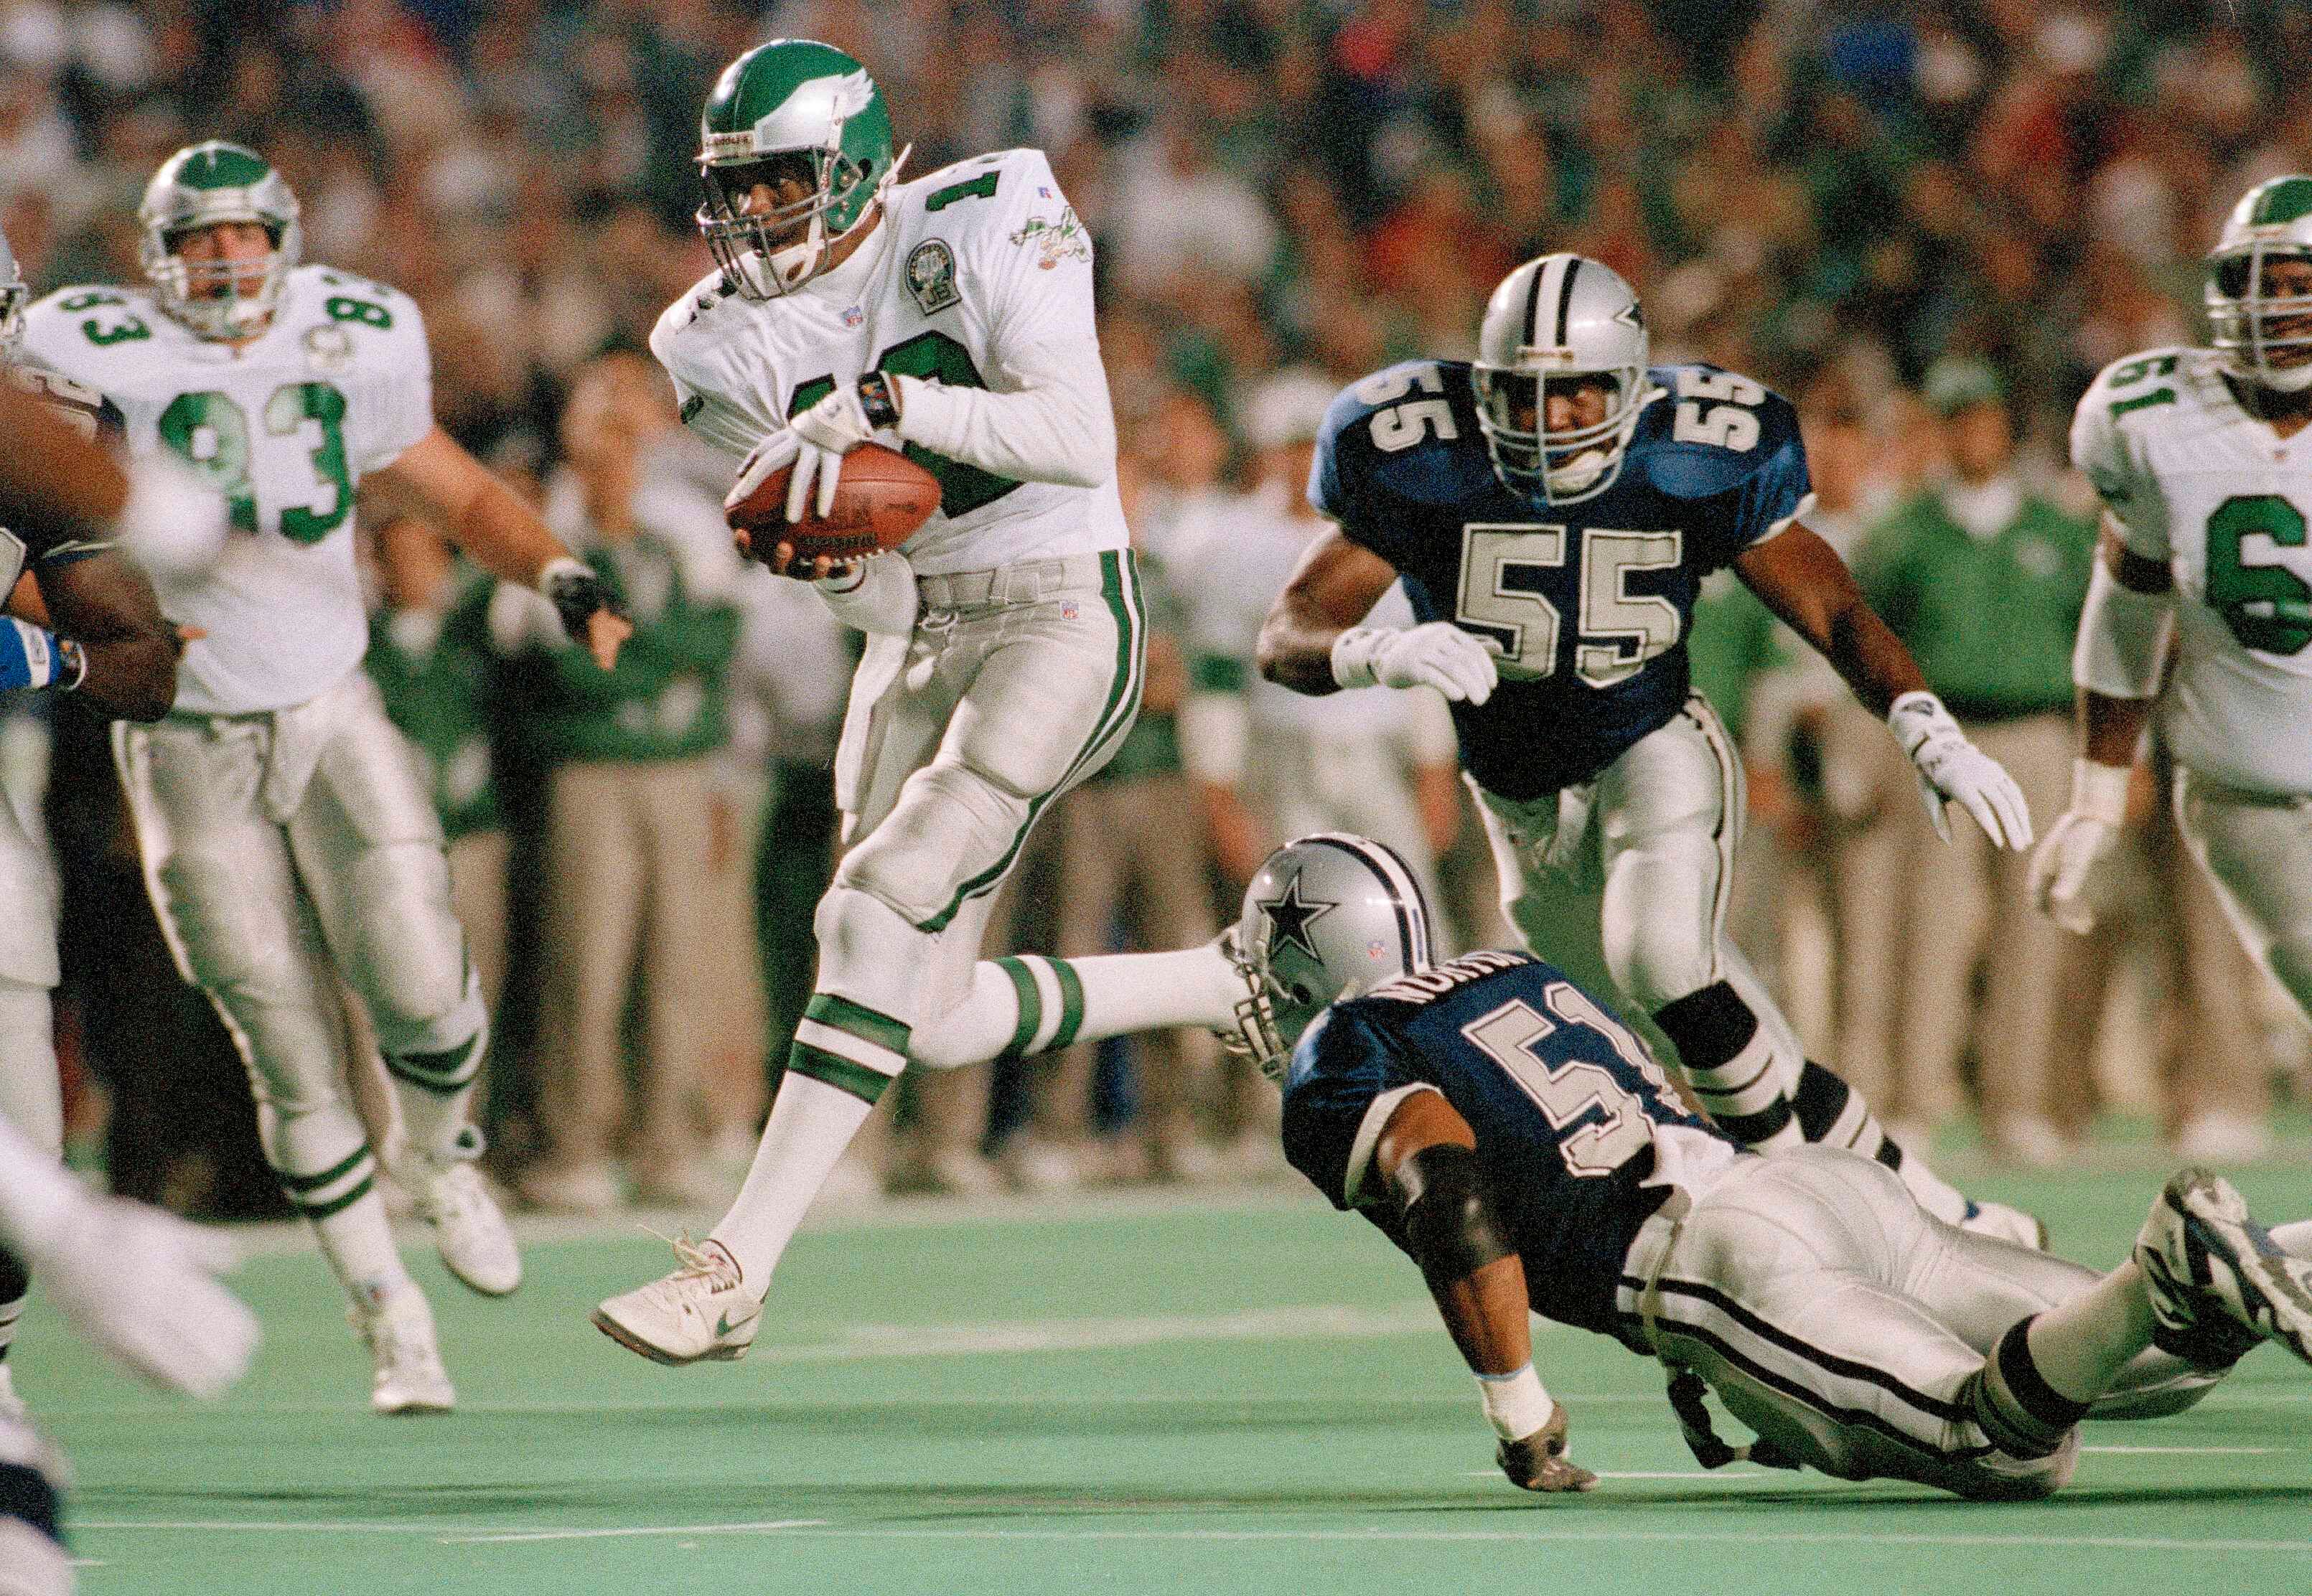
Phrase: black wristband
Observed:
(878, 401)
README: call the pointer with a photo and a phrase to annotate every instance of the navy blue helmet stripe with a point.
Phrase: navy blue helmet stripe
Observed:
(1404, 891)
(1566, 295)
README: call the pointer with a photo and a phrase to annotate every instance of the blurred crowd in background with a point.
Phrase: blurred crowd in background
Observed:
(1928, 222)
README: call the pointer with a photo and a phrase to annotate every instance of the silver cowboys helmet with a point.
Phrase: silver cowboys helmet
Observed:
(15, 294)
(1327, 917)
(201, 185)
(1556, 321)
(2266, 338)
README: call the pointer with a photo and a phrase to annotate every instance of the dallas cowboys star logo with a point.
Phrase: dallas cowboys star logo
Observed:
(1290, 915)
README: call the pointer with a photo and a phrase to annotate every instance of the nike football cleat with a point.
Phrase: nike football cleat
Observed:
(469, 1229)
(409, 1376)
(699, 1311)
(2218, 1281)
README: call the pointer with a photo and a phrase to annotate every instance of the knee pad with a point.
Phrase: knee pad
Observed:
(1658, 921)
(954, 833)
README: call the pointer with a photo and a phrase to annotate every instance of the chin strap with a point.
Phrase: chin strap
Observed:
(1686, 1391)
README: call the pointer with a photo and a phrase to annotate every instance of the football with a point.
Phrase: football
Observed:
(879, 500)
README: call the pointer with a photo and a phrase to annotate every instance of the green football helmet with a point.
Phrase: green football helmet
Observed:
(791, 110)
(2266, 337)
(201, 185)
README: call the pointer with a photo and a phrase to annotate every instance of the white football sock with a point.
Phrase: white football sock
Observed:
(811, 1123)
(358, 1242)
(434, 1071)
(1031, 1004)
(2080, 1346)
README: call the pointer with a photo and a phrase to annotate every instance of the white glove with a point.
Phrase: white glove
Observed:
(827, 431)
(765, 459)
(1955, 771)
(1439, 654)
(136, 1282)
(2070, 880)
(173, 524)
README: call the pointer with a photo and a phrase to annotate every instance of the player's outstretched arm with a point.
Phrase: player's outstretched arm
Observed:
(506, 537)
(2124, 632)
(1801, 579)
(134, 1280)
(1427, 1156)
(105, 605)
(1310, 640)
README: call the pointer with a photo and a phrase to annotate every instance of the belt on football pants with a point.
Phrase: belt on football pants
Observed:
(1023, 581)
(1648, 1256)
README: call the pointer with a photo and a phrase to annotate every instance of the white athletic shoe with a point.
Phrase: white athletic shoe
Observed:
(2218, 1281)
(699, 1311)
(410, 1378)
(2009, 1224)
(468, 1228)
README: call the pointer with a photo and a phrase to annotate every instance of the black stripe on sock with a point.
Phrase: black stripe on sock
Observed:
(1821, 1097)
(1752, 1129)
(30, 1495)
(1709, 1027)
(2046, 1405)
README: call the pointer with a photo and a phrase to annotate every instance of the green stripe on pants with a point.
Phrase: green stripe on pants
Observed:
(1119, 590)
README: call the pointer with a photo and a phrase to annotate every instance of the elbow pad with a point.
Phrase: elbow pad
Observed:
(2123, 638)
(1450, 1224)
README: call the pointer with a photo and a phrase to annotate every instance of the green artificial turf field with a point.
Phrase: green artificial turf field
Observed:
(1246, 1394)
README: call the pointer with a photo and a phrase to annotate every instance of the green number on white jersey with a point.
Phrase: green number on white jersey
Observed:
(2267, 605)
(210, 431)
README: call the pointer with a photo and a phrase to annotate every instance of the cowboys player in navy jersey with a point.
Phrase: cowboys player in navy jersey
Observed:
(1506, 1132)
(1552, 510)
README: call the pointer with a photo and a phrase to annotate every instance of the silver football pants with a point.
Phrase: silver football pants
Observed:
(1832, 1316)
(1016, 684)
(277, 846)
(2257, 850)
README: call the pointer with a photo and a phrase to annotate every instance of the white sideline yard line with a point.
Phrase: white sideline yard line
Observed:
(1699, 1474)
(2187, 1451)
(505, 1537)
(1328, 1321)
(467, 1535)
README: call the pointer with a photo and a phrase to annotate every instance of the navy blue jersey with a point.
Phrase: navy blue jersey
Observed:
(1564, 1100)
(1590, 602)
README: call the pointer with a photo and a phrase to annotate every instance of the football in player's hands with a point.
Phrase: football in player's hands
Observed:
(879, 501)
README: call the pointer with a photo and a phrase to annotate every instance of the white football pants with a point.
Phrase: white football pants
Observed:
(1016, 684)
(2257, 850)
(275, 846)
(1834, 1318)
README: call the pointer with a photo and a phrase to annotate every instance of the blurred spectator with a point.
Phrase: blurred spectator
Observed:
(1983, 579)
(1272, 764)
(630, 850)
(1131, 858)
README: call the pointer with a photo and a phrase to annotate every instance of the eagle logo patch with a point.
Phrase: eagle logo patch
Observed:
(931, 277)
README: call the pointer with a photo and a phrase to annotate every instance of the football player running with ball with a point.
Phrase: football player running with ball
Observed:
(951, 315)
(286, 839)
(1512, 1137)
(1551, 509)
(2204, 466)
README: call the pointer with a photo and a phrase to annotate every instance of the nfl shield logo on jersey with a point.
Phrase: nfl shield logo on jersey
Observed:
(931, 277)
(329, 349)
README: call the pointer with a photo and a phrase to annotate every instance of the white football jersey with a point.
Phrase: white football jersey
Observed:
(284, 427)
(2204, 487)
(978, 277)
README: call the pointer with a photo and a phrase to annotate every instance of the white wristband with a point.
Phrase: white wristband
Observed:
(1352, 655)
(1515, 1404)
(2099, 791)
